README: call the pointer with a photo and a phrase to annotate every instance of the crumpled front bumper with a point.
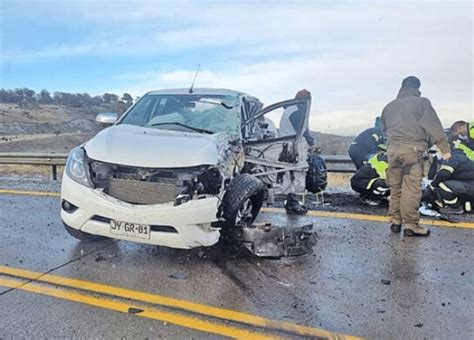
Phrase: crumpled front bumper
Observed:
(191, 220)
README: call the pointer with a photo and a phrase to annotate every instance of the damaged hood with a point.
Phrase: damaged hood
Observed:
(154, 148)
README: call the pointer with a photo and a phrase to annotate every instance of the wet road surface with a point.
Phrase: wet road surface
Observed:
(361, 280)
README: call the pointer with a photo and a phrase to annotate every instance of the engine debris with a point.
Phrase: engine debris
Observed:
(268, 240)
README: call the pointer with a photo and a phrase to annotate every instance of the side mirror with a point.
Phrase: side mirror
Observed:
(107, 118)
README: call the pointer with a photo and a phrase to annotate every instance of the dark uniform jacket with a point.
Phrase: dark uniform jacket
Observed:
(458, 167)
(370, 140)
(367, 143)
(410, 120)
(370, 173)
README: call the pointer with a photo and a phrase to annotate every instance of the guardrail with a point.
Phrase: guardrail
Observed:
(52, 160)
(335, 163)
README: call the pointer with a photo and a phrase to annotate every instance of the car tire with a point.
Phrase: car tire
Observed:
(242, 200)
(82, 236)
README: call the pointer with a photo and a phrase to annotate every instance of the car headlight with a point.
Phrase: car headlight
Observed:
(76, 167)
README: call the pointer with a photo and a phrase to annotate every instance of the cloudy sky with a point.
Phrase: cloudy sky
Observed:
(351, 55)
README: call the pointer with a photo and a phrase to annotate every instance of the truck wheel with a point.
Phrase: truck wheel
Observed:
(82, 236)
(242, 200)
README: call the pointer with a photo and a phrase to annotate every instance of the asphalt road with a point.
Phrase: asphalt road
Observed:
(361, 280)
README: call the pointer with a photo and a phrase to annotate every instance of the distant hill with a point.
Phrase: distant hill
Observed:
(59, 128)
(332, 144)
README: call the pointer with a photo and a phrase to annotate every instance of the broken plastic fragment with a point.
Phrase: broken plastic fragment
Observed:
(132, 310)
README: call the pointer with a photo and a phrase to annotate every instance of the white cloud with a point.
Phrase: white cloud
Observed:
(351, 56)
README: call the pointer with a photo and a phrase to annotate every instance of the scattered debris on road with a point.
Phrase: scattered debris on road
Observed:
(132, 310)
(268, 240)
(179, 276)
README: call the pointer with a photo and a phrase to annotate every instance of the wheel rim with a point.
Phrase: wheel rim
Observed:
(244, 215)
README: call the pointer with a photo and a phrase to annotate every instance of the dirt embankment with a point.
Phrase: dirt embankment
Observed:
(57, 128)
(45, 128)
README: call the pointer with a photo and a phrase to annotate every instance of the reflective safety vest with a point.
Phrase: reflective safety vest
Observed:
(379, 163)
(467, 146)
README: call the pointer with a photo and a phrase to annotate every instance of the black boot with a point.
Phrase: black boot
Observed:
(396, 228)
(457, 210)
(293, 206)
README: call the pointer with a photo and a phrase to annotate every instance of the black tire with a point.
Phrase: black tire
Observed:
(82, 236)
(242, 200)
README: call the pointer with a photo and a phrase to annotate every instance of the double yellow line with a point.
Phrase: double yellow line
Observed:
(314, 213)
(29, 193)
(138, 303)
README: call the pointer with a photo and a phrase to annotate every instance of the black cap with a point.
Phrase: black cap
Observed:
(411, 82)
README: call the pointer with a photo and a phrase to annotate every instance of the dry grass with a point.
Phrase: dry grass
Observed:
(20, 169)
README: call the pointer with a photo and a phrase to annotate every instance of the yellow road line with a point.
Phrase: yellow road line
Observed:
(216, 312)
(375, 218)
(315, 213)
(177, 319)
(30, 193)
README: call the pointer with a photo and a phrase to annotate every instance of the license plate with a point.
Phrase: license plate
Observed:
(130, 229)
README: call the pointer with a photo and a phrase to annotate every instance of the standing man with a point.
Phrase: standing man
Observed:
(410, 125)
(295, 117)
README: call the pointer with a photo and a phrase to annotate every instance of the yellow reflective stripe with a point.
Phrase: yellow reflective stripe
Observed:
(371, 182)
(376, 137)
(454, 201)
(444, 187)
(447, 168)
(467, 151)
(471, 130)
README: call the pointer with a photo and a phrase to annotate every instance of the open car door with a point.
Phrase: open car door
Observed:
(271, 154)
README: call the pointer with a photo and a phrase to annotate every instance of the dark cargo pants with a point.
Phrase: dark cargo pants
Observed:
(404, 174)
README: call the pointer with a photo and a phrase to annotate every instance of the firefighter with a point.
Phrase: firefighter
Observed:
(410, 125)
(465, 137)
(294, 116)
(453, 185)
(370, 180)
(366, 144)
(292, 119)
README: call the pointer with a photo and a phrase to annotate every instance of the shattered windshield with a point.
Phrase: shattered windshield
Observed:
(187, 112)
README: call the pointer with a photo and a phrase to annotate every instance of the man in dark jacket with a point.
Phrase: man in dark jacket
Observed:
(452, 189)
(365, 145)
(410, 125)
(370, 180)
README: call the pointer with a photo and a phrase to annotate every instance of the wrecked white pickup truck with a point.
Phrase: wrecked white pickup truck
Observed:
(179, 166)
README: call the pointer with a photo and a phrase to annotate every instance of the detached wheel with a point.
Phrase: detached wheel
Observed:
(82, 236)
(242, 200)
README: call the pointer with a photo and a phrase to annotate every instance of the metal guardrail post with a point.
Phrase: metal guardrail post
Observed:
(54, 172)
